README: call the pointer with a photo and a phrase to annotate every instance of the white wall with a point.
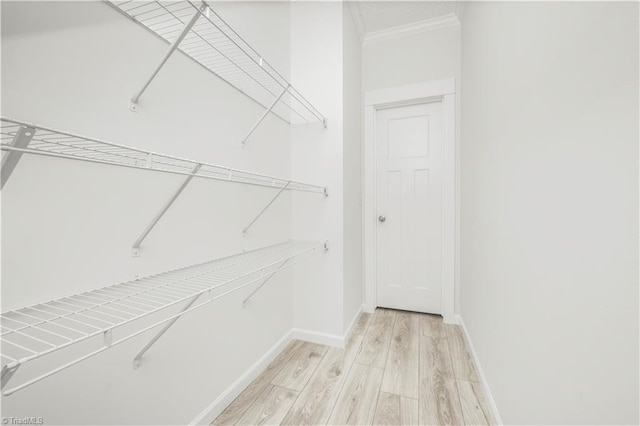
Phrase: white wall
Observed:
(417, 58)
(68, 227)
(317, 156)
(550, 207)
(352, 169)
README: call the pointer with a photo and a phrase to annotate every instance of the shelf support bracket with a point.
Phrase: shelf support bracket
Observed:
(138, 358)
(7, 373)
(133, 106)
(135, 249)
(10, 160)
(244, 302)
(244, 231)
(286, 89)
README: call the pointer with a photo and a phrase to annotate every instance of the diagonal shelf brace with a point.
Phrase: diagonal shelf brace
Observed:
(244, 231)
(10, 160)
(244, 302)
(275, 102)
(135, 249)
(133, 106)
(7, 373)
(138, 358)
(262, 258)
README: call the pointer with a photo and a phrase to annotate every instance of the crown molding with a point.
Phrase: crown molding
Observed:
(444, 21)
(356, 16)
(460, 10)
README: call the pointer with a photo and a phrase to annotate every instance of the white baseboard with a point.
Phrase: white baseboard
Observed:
(451, 319)
(483, 379)
(349, 330)
(214, 409)
(318, 337)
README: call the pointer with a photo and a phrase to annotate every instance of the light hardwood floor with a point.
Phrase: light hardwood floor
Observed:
(398, 368)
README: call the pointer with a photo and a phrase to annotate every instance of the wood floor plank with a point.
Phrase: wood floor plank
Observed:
(375, 346)
(395, 410)
(432, 325)
(361, 325)
(463, 366)
(409, 411)
(239, 405)
(388, 355)
(475, 409)
(439, 402)
(297, 371)
(357, 400)
(387, 410)
(401, 369)
(435, 358)
(270, 407)
(317, 399)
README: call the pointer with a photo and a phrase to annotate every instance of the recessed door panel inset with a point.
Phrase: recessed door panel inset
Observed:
(409, 207)
(405, 137)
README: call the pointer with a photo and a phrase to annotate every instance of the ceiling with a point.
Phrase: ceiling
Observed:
(382, 15)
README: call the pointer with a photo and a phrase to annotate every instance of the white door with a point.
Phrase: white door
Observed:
(409, 207)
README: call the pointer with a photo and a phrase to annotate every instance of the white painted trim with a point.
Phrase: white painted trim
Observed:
(483, 380)
(410, 92)
(356, 16)
(209, 414)
(318, 337)
(448, 207)
(349, 329)
(439, 90)
(369, 234)
(437, 23)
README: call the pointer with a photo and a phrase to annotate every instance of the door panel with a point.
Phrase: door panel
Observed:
(409, 196)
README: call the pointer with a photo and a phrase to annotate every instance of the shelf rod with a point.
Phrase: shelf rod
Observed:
(286, 89)
(136, 244)
(155, 289)
(244, 231)
(138, 358)
(172, 48)
(303, 187)
(10, 161)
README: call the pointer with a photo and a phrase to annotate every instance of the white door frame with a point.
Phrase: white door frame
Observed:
(439, 90)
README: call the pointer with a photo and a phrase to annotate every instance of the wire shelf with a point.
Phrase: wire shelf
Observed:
(35, 331)
(56, 143)
(212, 43)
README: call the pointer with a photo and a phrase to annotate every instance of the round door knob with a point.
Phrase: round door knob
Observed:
(382, 218)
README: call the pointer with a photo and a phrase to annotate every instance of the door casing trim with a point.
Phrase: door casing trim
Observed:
(433, 91)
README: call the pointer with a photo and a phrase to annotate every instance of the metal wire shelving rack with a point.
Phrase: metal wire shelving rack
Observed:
(203, 35)
(33, 332)
(21, 137)
(115, 314)
(18, 138)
